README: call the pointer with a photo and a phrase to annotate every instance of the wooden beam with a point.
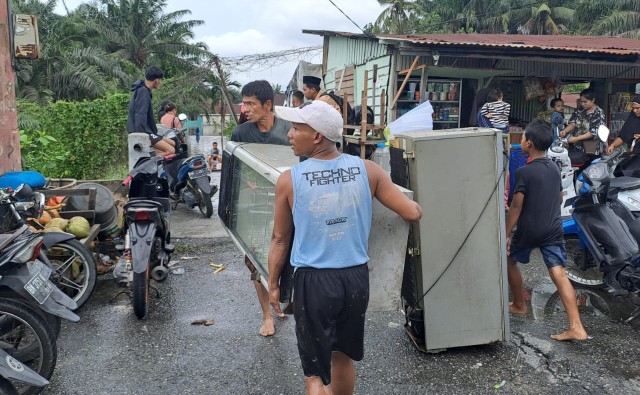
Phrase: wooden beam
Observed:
(363, 130)
(404, 82)
(405, 71)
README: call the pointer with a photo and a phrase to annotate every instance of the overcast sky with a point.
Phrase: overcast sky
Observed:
(243, 27)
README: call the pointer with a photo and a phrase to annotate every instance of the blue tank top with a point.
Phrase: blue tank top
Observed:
(331, 213)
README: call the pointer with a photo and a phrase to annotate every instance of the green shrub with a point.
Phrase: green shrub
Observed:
(82, 140)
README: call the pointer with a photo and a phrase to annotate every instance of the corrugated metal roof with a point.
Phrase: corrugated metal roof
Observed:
(580, 44)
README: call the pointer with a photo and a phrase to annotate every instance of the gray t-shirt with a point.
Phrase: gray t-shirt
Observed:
(249, 133)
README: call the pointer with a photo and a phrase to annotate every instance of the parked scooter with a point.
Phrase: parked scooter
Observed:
(147, 242)
(559, 153)
(29, 303)
(608, 230)
(27, 344)
(188, 177)
(74, 266)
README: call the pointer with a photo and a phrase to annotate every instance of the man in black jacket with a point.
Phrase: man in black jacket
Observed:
(141, 118)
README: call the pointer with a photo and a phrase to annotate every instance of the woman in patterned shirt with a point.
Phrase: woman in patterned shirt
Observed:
(583, 128)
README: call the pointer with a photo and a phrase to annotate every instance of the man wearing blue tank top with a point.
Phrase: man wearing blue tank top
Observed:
(327, 199)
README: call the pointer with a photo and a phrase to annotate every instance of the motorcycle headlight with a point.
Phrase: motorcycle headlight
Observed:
(597, 172)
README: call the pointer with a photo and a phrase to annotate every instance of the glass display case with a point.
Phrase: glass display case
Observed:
(246, 209)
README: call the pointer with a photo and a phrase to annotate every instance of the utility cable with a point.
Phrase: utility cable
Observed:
(347, 16)
(493, 191)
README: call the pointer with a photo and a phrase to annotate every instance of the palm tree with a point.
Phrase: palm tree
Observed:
(140, 32)
(546, 20)
(68, 68)
(397, 17)
(609, 17)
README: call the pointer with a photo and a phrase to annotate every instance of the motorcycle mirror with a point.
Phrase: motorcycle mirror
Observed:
(182, 117)
(603, 133)
(23, 191)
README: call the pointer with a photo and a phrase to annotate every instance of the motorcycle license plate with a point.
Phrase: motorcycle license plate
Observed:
(198, 173)
(39, 287)
(39, 267)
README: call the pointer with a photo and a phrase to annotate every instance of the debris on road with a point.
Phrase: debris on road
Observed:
(178, 271)
(203, 322)
(188, 258)
(500, 385)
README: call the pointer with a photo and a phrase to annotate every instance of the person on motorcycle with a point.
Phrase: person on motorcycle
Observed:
(170, 117)
(141, 117)
(630, 132)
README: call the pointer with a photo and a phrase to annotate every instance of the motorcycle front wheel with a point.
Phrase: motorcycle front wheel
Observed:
(25, 335)
(591, 277)
(204, 203)
(75, 269)
(141, 293)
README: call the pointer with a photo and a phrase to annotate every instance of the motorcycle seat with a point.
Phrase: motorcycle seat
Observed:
(7, 238)
(625, 183)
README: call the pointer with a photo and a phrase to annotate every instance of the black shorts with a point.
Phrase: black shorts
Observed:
(154, 138)
(329, 307)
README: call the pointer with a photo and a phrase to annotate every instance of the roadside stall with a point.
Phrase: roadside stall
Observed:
(450, 69)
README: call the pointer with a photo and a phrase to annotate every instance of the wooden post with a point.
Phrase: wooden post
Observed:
(383, 99)
(363, 123)
(404, 82)
(9, 134)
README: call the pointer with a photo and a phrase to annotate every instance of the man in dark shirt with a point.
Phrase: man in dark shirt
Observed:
(262, 126)
(535, 208)
(140, 119)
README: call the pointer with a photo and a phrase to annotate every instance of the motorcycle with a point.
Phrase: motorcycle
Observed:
(74, 266)
(609, 232)
(559, 154)
(147, 244)
(28, 350)
(188, 177)
(31, 305)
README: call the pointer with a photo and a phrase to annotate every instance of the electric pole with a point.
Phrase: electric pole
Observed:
(9, 135)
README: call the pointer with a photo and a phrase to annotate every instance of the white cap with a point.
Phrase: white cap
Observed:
(322, 117)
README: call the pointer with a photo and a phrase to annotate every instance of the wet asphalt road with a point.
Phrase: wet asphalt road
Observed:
(111, 352)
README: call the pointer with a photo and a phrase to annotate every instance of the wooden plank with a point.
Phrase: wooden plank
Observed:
(405, 71)
(404, 82)
(363, 136)
(93, 233)
(356, 140)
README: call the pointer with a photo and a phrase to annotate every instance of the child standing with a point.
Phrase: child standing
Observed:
(536, 209)
(557, 117)
(496, 110)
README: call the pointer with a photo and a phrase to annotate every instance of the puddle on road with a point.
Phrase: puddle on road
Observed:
(595, 303)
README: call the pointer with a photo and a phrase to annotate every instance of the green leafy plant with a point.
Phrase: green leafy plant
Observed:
(89, 137)
(40, 151)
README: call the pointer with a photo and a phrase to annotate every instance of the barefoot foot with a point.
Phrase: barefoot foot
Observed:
(268, 327)
(571, 334)
(513, 309)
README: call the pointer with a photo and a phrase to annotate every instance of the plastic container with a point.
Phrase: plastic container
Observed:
(381, 156)
(105, 210)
